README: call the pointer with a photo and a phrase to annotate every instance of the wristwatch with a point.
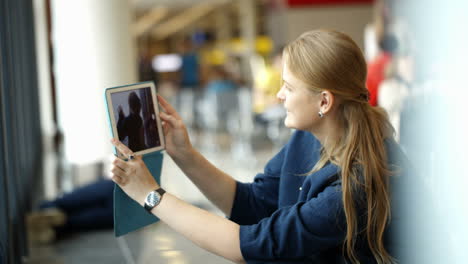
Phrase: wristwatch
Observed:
(153, 199)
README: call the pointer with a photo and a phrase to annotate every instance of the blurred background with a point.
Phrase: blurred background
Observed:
(219, 63)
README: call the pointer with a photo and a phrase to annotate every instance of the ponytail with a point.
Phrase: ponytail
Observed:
(364, 168)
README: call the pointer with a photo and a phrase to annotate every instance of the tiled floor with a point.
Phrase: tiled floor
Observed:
(153, 244)
(158, 243)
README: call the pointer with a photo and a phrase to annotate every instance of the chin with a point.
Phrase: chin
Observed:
(295, 125)
(289, 124)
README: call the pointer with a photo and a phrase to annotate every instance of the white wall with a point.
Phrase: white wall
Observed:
(93, 49)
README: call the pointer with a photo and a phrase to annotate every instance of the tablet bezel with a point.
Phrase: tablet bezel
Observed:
(113, 122)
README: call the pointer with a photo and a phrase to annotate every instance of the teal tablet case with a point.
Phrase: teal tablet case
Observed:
(128, 214)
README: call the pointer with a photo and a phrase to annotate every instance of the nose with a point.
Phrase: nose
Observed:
(280, 94)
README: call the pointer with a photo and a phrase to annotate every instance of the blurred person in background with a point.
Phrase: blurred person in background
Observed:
(145, 67)
(394, 89)
(266, 105)
(376, 68)
(219, 105)
(379, 43)
(90, 207)
(189, 72)
(219, 80)
(324, 198)
(189, 81)
(377, 28)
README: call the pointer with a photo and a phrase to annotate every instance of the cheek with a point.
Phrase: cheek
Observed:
(290, 102)
(303, 116)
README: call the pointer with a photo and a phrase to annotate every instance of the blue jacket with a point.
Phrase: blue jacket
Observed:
(287, 217)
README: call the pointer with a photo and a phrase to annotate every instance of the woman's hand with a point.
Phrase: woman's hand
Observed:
(132, 176)
(177, 139)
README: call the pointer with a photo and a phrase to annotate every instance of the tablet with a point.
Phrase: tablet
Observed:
(134, 117)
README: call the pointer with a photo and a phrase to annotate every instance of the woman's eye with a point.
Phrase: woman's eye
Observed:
(286, 87)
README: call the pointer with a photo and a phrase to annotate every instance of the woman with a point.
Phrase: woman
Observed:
(324, 198)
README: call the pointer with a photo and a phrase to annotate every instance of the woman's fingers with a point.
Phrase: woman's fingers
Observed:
(165, 126)
(121, 147)
(122, 171)
(167, 107)
(120, 164)
(117, 172)
(118, 175)
(121, 181)
(169, 119)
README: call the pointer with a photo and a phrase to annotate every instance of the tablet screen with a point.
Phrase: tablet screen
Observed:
(135, 119)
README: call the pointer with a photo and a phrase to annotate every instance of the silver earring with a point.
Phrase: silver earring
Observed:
(320, 114)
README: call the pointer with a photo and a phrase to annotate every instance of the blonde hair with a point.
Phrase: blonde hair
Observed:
(330, 60)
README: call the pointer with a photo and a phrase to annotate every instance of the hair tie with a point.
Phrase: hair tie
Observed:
(364, 96)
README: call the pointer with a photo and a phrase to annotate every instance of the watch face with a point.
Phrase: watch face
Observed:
(153, 198)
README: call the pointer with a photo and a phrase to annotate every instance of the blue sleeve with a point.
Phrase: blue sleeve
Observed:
(297, 231)
(257, 200)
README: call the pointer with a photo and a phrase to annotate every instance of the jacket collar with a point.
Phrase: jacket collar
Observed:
(329, 172)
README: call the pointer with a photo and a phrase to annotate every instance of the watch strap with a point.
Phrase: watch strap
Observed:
(161, 191)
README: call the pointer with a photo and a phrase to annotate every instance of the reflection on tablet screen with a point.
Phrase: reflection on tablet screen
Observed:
(136, 119)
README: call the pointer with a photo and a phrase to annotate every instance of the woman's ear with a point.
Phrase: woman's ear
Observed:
(327, 99)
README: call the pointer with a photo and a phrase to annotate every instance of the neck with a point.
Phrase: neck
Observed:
(328, 133)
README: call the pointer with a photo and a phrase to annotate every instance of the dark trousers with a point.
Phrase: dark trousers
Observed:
(87, 208)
